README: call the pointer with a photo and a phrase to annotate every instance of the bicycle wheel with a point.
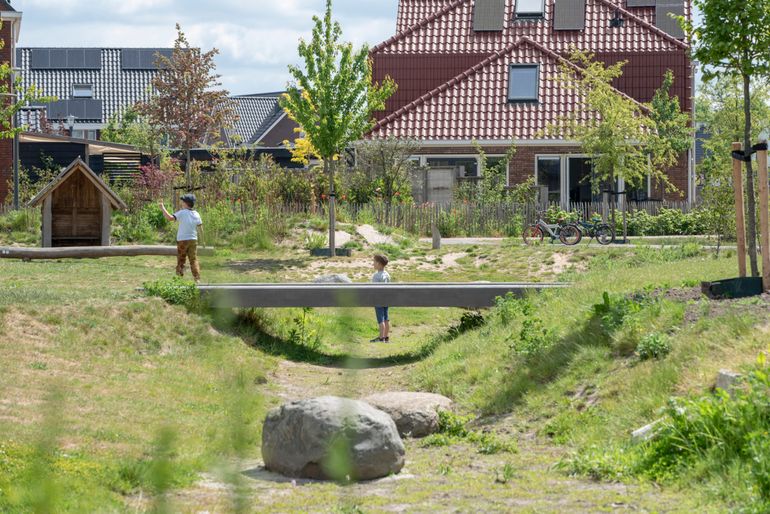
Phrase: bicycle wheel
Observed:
(533, 235)
(570, 235)
(605, 235)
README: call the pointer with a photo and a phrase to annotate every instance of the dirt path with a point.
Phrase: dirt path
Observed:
(436, 479)
(373, 236)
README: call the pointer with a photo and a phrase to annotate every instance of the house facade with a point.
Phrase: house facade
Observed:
(485, 71)
(90, 85)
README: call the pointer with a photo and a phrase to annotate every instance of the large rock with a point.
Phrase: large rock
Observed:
(333, 279)
(415, 414)
(298, 437)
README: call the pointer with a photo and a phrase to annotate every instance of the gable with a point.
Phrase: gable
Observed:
(77, 167)
(475, 104)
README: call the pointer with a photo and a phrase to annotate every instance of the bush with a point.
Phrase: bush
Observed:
(468, 321)
(653, 346)
(533, 338)
(175, 291)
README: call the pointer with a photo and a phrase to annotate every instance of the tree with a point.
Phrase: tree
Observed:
(302, 151)
(719, 107)
(333, 97)
(188, 106)
(130, 129)
(388, 164)
(626, 139)
(732, 38)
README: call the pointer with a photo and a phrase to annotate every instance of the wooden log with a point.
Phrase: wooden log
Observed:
(764, 217)
(740, 223)
(90, 252)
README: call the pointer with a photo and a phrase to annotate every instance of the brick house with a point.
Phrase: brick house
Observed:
(484, 70)
(9, 33)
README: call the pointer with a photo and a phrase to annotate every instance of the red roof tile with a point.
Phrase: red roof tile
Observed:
(464, 109)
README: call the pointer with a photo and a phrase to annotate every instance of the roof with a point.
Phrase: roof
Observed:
(257, 113)
(116, 84)
(78, 165)
(95, 147)
(463, 109)
(448, 30)
(6, 6)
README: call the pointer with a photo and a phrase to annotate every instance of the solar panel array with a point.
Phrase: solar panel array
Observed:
(65, 58)
(142, 58)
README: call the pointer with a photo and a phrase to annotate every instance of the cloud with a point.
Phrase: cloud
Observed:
(257, 39)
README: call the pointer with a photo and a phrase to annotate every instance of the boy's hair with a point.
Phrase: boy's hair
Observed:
(381, 259)
(189, 199)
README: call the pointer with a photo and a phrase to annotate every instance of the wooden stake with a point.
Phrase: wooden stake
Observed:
(740, 223)
(764, 217)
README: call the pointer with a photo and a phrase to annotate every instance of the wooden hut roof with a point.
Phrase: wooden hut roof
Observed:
(78, 165)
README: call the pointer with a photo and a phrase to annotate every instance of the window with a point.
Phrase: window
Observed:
(549, 177)
(84, 134)
(466, 166)
(82, 91)
(523, 82)
(529, 8)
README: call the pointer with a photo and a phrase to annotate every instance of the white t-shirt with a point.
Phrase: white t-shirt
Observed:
(189, 221)
(382, 277)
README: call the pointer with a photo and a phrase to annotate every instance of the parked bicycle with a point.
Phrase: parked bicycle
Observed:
(568, 233)
(596, 229)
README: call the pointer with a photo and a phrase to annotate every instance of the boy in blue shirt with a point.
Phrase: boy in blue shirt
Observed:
(187, 235)
(383, 318)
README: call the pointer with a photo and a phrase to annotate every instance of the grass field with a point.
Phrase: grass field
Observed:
(116, 401)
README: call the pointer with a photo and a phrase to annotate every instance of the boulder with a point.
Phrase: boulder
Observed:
(308, 439)
(727, 381)
(415, 414)
(333, 279)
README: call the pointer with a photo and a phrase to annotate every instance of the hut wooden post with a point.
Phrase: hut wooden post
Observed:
(106, 220)
(740, 223)
(764, 216)
(47, 222)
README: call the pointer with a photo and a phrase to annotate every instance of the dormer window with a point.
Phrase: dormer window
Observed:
(523, 82)
(82, 91)
(529, 9)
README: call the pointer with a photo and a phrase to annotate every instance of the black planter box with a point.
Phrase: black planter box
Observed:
(324, 252)
(733, 288)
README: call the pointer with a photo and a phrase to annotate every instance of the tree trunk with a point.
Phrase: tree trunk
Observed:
(329, 169)
(187, 171)
(751, 201)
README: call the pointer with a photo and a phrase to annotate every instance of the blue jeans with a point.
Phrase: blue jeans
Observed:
(382, 314)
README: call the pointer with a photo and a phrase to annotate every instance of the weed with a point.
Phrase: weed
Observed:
(444, 469)
(301, 333)
(175, 291)
(40, 366)
(533, 339)
(468, 321)
(653, 346)
(505, 474)
(453, 429)
(509, 307)
(314, 241)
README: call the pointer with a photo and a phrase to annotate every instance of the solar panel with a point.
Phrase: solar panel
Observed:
(92, 58)
(665, 22)
(58, 58)
(569, 15)
(641, 3)
(130, 59)
(92, 109)
(40, 59)
(489, 15)
(76, 58)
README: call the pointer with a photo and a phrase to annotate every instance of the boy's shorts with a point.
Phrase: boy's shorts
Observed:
(382, 314)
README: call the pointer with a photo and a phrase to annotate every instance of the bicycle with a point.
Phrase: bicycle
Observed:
(596, 229)
(567, 233)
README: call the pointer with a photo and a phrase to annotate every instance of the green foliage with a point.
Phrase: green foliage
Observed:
(616, 308)
(471, 320)
(384, 168)
(670, 222)
(453, 429)
(175, 291)
(314, 240)
(533, 339)
(653, 346)
(509, 307)
(303, 333)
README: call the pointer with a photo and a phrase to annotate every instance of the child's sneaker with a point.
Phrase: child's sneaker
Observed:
(377, 340)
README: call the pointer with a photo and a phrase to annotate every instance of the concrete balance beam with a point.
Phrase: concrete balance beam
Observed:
(90, 252)
(467, 295)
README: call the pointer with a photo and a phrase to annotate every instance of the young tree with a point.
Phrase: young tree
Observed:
(333, 97)
(732, 38)
(188, 105)
(622, 136)
(130, 129)
(719, 107)
(388, 164)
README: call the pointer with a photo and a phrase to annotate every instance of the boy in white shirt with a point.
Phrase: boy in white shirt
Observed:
(190, 224)
(383, 319)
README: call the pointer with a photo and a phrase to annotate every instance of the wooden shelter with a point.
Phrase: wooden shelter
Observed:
(77, 208)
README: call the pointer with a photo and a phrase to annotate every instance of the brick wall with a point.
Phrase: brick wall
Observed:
(6, 145)
(522, 166)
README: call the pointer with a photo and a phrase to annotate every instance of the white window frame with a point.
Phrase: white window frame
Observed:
(423, 159)
(563, 191)
(76, 86)
(529, 15)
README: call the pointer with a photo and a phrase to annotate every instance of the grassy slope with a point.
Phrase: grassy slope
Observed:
(586, 390)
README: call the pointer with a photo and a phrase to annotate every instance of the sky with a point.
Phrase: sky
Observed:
(257, 39)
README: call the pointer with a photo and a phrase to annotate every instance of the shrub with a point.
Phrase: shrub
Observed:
(314, 241)
(509, 307)
(653, 346)
(175, 291)
(533, 338)
(468, 321)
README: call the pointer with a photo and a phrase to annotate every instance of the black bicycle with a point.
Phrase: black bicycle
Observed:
(596, 229)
